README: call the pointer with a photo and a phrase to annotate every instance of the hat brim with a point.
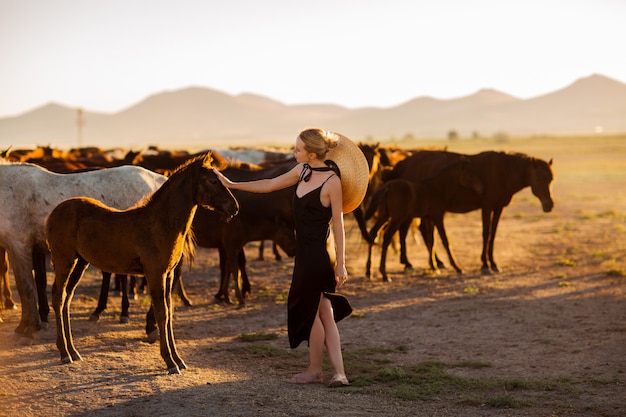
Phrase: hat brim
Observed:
(354, 171)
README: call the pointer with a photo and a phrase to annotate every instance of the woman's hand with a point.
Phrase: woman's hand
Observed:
(225, 181)
(341, 275)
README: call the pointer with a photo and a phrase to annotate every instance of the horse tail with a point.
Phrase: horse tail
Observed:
(375, 201)
(189, 247)
(360, 221)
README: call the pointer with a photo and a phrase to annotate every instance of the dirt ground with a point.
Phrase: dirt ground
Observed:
(545, 337)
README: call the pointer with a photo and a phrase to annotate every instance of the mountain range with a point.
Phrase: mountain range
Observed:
(199, 117)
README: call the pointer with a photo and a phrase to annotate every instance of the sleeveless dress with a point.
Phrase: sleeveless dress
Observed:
(313, 273)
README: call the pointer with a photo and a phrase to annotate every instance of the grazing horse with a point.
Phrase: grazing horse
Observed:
(398, 201)
(503, 175)
(147, 240)
(28, 193)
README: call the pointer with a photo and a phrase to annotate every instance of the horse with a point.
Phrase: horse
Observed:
(28, 193)
(263, 216)
(147, 240)
(398, 201)
(503, 175)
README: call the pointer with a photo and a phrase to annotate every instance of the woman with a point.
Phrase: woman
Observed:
(313, 306)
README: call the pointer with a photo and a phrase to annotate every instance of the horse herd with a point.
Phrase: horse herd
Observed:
(126, 219)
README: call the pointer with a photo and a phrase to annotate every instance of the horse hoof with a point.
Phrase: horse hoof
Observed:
(182, 366)
(124, 320)
(485, 271)
(386, 279)
(174, 371)
(94, 317)
(152, 337)
(66, 359)
(44, 325)
(76, 357)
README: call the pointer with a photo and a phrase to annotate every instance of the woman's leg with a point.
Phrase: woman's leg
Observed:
(316, 353)
(332, 339)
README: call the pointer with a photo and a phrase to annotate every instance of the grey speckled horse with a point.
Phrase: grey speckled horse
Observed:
(28, 193)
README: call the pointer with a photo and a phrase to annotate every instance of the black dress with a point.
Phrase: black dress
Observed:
(313, 273)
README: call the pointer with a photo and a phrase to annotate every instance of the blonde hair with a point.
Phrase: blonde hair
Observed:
(318, 141)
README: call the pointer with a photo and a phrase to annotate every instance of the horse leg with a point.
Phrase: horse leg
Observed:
(21, 262)
(156, 286)
(368, 264)
(446, 243)
(495, 219)
(390, 230)
(9, 303)
(178, 284)
(168, 296)
(261, 248)
(124, 317)
(222, 293)
(245, 281)
(277, 254)
(427, 229)
(371, 239)
(232, 263)
(67, 275)
(103, 298)
(403, 232)
(41, 282)
(152, 331)
(486, 216)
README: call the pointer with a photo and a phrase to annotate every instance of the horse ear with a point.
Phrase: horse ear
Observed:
(218, 161)
(550, 163)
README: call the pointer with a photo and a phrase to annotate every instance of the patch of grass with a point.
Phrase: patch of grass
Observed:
(267, 351)
(613, 269)
(471, 290)
(505, 401)
(257, 336)
(616, 272)
(565, 262)
(281, 298)
(471, 365)
(430, 380)
(358, 314)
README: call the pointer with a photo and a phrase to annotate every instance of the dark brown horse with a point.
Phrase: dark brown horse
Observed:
(398, 201)
(503, 175)
(147, 240)
(265, 216)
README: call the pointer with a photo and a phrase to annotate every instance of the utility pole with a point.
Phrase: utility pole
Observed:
(79, 124)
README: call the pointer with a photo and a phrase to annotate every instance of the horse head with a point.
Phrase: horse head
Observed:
(210, 192)
(541, 176)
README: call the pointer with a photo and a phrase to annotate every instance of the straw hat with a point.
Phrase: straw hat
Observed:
(354, 171)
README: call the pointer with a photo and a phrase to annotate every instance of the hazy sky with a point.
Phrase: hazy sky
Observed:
(106, 55)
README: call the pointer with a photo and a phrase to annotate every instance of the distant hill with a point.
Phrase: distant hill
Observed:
(199, 117)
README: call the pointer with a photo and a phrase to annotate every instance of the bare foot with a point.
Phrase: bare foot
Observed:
(306, 378)
(339, 381)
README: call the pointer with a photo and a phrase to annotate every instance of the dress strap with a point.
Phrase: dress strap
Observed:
(307, 170)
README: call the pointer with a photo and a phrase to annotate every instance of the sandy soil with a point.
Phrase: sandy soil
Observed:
(548, 332)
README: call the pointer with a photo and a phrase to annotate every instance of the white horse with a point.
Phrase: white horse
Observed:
(28, 193)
